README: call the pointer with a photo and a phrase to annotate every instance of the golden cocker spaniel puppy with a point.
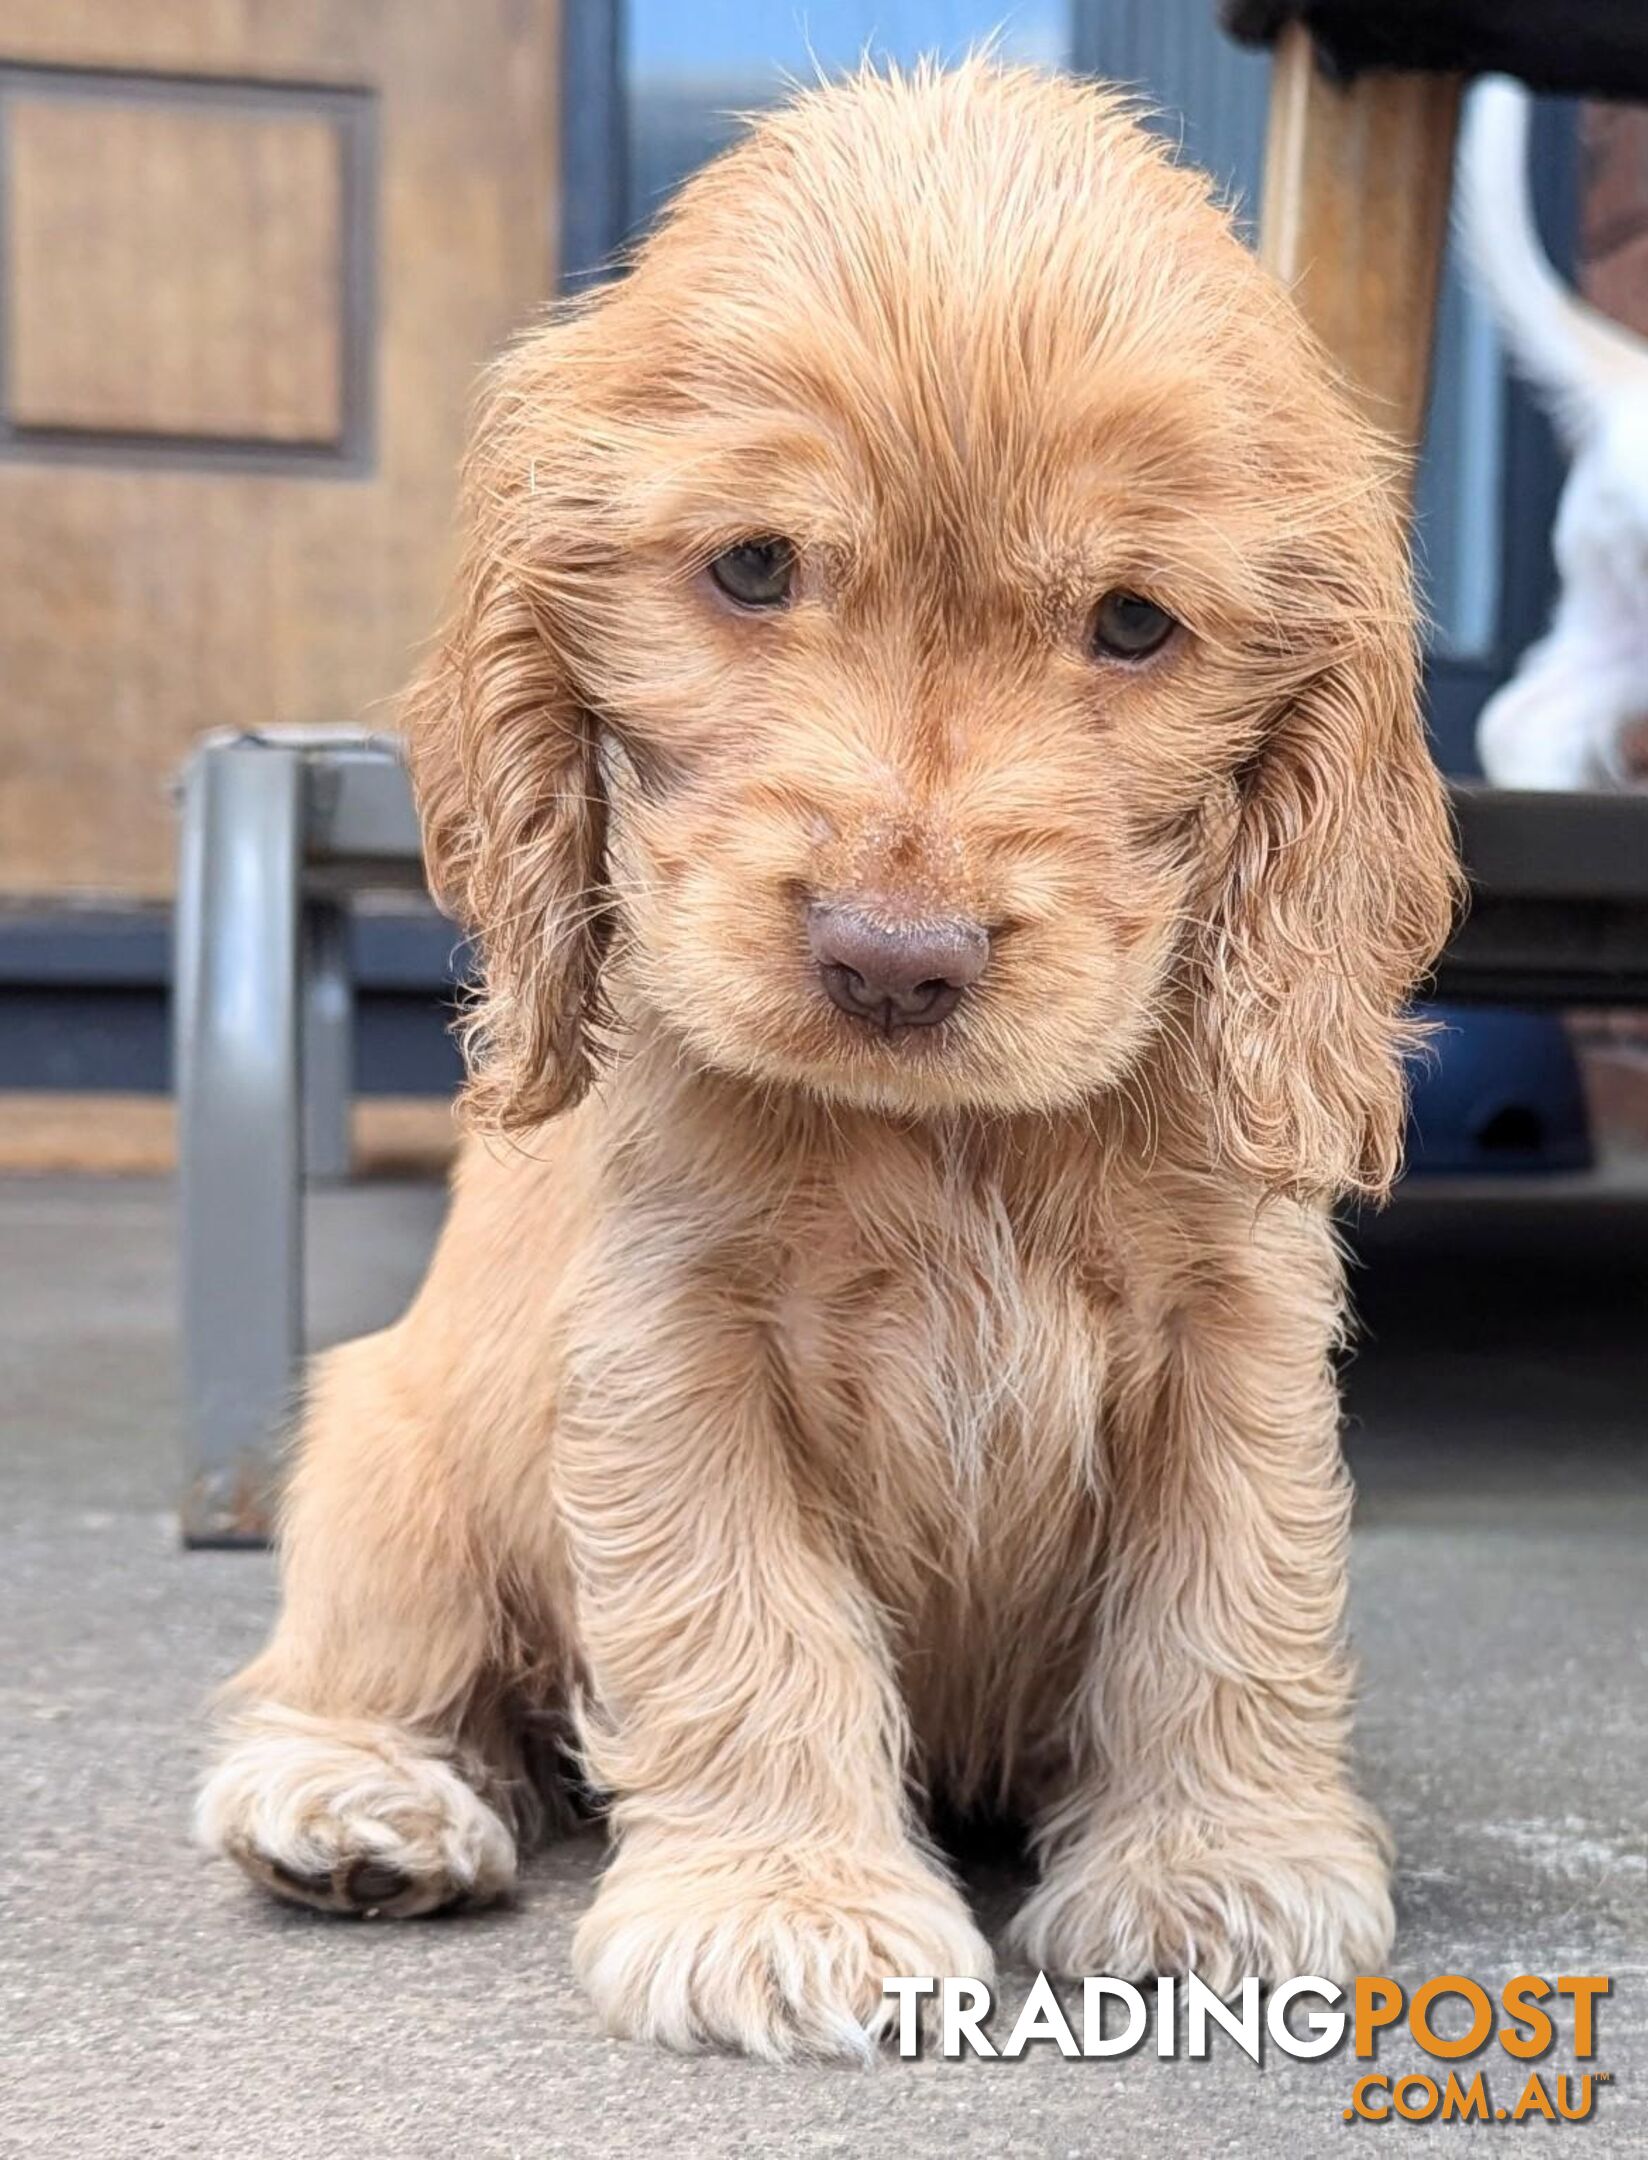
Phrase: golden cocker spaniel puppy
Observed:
(927, 742)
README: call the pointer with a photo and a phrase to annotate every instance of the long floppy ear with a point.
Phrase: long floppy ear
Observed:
(1338, 892)
(507, 773)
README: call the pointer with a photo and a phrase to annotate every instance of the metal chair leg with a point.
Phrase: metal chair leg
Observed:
(238, 1051)
(328, 1042)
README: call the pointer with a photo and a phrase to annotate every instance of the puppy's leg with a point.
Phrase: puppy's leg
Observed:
(744, 1715)
(363, 1738)
(1210, 1824)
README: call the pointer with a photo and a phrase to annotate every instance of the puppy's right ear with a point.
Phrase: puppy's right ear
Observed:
(505, 766)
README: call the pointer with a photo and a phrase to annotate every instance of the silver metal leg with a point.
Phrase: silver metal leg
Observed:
(239, 1052)
(279, 830)
(328, 1041)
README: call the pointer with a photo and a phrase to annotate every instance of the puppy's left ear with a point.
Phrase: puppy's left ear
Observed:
(1338, 893)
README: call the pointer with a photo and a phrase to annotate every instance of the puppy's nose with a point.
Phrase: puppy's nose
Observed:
(894, 974)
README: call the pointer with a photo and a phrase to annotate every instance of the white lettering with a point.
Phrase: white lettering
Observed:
(1094, 2039)
(909, 1991)
(1201, 2004)
(961, 2019)
(1042, 2018)
(1327, 2025)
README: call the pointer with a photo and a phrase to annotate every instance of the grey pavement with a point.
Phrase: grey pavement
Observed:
(152, 2005)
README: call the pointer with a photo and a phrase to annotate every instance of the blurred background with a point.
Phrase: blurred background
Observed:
(252, 258)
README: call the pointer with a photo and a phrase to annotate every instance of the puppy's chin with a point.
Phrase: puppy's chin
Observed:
(914, 1073)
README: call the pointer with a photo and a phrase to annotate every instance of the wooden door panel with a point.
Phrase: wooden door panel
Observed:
(175, 271)
(252, 254)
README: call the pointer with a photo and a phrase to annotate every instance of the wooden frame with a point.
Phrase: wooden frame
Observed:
(1354, 218)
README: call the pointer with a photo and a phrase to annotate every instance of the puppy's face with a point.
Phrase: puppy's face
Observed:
(922, 712)
(924, 543)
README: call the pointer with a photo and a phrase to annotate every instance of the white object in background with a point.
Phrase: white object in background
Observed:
(1575, 712)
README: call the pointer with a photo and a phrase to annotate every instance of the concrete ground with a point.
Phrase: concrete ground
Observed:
(151, 2005)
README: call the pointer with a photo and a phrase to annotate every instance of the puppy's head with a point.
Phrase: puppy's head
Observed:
(937, 626)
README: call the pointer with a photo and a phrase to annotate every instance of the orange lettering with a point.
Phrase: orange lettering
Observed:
(1584, 1991)
(1428, 2097)
(1378, 2002)
(1419, 2015)
(1360, 2101)
(1535, 2101)
(1520, 1997)
(1465, 2101)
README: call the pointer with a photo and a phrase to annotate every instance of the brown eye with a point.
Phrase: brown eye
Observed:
(1126, 627)
(756, 573)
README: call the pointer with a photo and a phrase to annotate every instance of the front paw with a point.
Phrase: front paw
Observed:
(351, 1817)
(1143, 1892)
(775, 1955)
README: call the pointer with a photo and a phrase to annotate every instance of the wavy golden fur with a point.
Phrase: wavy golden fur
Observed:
(828, 1417)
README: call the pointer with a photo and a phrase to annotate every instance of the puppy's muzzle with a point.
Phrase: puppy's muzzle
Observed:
(894, 975)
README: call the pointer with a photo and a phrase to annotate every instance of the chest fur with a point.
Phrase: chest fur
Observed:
(947, 1383)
